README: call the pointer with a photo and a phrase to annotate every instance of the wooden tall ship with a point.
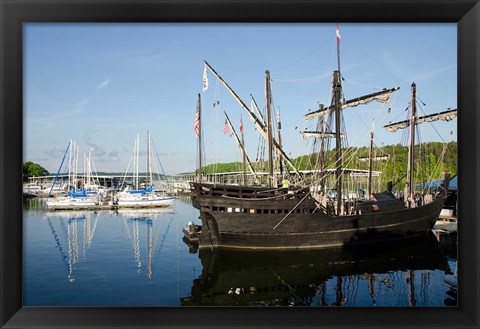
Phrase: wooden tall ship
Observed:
(298, 217)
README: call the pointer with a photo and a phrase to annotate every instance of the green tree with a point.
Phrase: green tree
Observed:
(31, 169)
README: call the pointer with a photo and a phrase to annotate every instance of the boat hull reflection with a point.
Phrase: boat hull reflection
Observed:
(250, 278)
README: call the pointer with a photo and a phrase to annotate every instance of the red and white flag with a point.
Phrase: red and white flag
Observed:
(241, 124)
(338, 34)
(226, 129)
(197, 123)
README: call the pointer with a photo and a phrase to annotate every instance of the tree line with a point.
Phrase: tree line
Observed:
(432, 160)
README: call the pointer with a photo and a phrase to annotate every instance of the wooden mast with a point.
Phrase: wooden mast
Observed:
(262, 129)
(279, 129)
(338, 142)
(370, 165)
(411, 123)
(410, 180)
(337, 85)
(271, 178)
(244, 153)
(199, 113)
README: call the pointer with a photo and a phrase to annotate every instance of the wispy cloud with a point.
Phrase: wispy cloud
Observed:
(408, 72)
(104, 84)
(50, 121)
(422, 76)
(78, 108)
(113, 154)
(96, 150)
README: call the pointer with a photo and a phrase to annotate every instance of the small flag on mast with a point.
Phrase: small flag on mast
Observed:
(226, 129)
(338, 34)
(241, 124)
(205, 78)
(197, 123)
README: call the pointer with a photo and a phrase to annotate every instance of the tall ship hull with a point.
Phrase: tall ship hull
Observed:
(293, 221)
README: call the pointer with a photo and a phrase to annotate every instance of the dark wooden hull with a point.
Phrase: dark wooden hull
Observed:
(295, 223)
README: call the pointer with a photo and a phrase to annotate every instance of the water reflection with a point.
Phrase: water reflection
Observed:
(66, 227)
(133, 220)
(73, 233)
(398, 274)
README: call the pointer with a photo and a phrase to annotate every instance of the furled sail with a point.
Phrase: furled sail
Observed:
(318, 134)
(381, 96)
(377, 158)
(445, 116)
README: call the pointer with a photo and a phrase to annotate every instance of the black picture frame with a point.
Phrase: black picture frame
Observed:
(14, 13)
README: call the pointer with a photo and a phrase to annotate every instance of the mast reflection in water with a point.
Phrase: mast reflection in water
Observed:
(398, 274)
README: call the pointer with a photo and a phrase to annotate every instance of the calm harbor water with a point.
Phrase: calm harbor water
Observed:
(138, 258)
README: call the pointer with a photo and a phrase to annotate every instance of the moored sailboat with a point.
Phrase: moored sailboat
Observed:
(142, 195)
(77, 196)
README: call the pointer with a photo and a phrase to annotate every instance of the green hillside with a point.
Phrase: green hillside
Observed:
(433, 158)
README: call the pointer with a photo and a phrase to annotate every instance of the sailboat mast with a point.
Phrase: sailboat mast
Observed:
(89, 169)
(75, 166)
(70, 165)
(338, 142)
(137, 146)
(149, 169)
(199, 127)
(271, 178)
(410, 187)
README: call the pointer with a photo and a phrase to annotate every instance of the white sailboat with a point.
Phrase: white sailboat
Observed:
(76, 198)
(138, 197)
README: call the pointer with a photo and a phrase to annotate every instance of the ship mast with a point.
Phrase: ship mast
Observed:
(411, 153)
(257, 122)
(412, 122)
(279, 129)
(338, 142)
(244, 157)
(198, 126)
(271, 177)
(370, 165)
(337, 105)
(337, 85)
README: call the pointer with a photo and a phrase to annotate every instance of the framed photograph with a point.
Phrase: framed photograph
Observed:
(84, 81)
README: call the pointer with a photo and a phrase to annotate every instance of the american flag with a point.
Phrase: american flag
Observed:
(197, 123)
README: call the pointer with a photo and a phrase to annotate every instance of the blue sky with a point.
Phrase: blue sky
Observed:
(102, 84)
